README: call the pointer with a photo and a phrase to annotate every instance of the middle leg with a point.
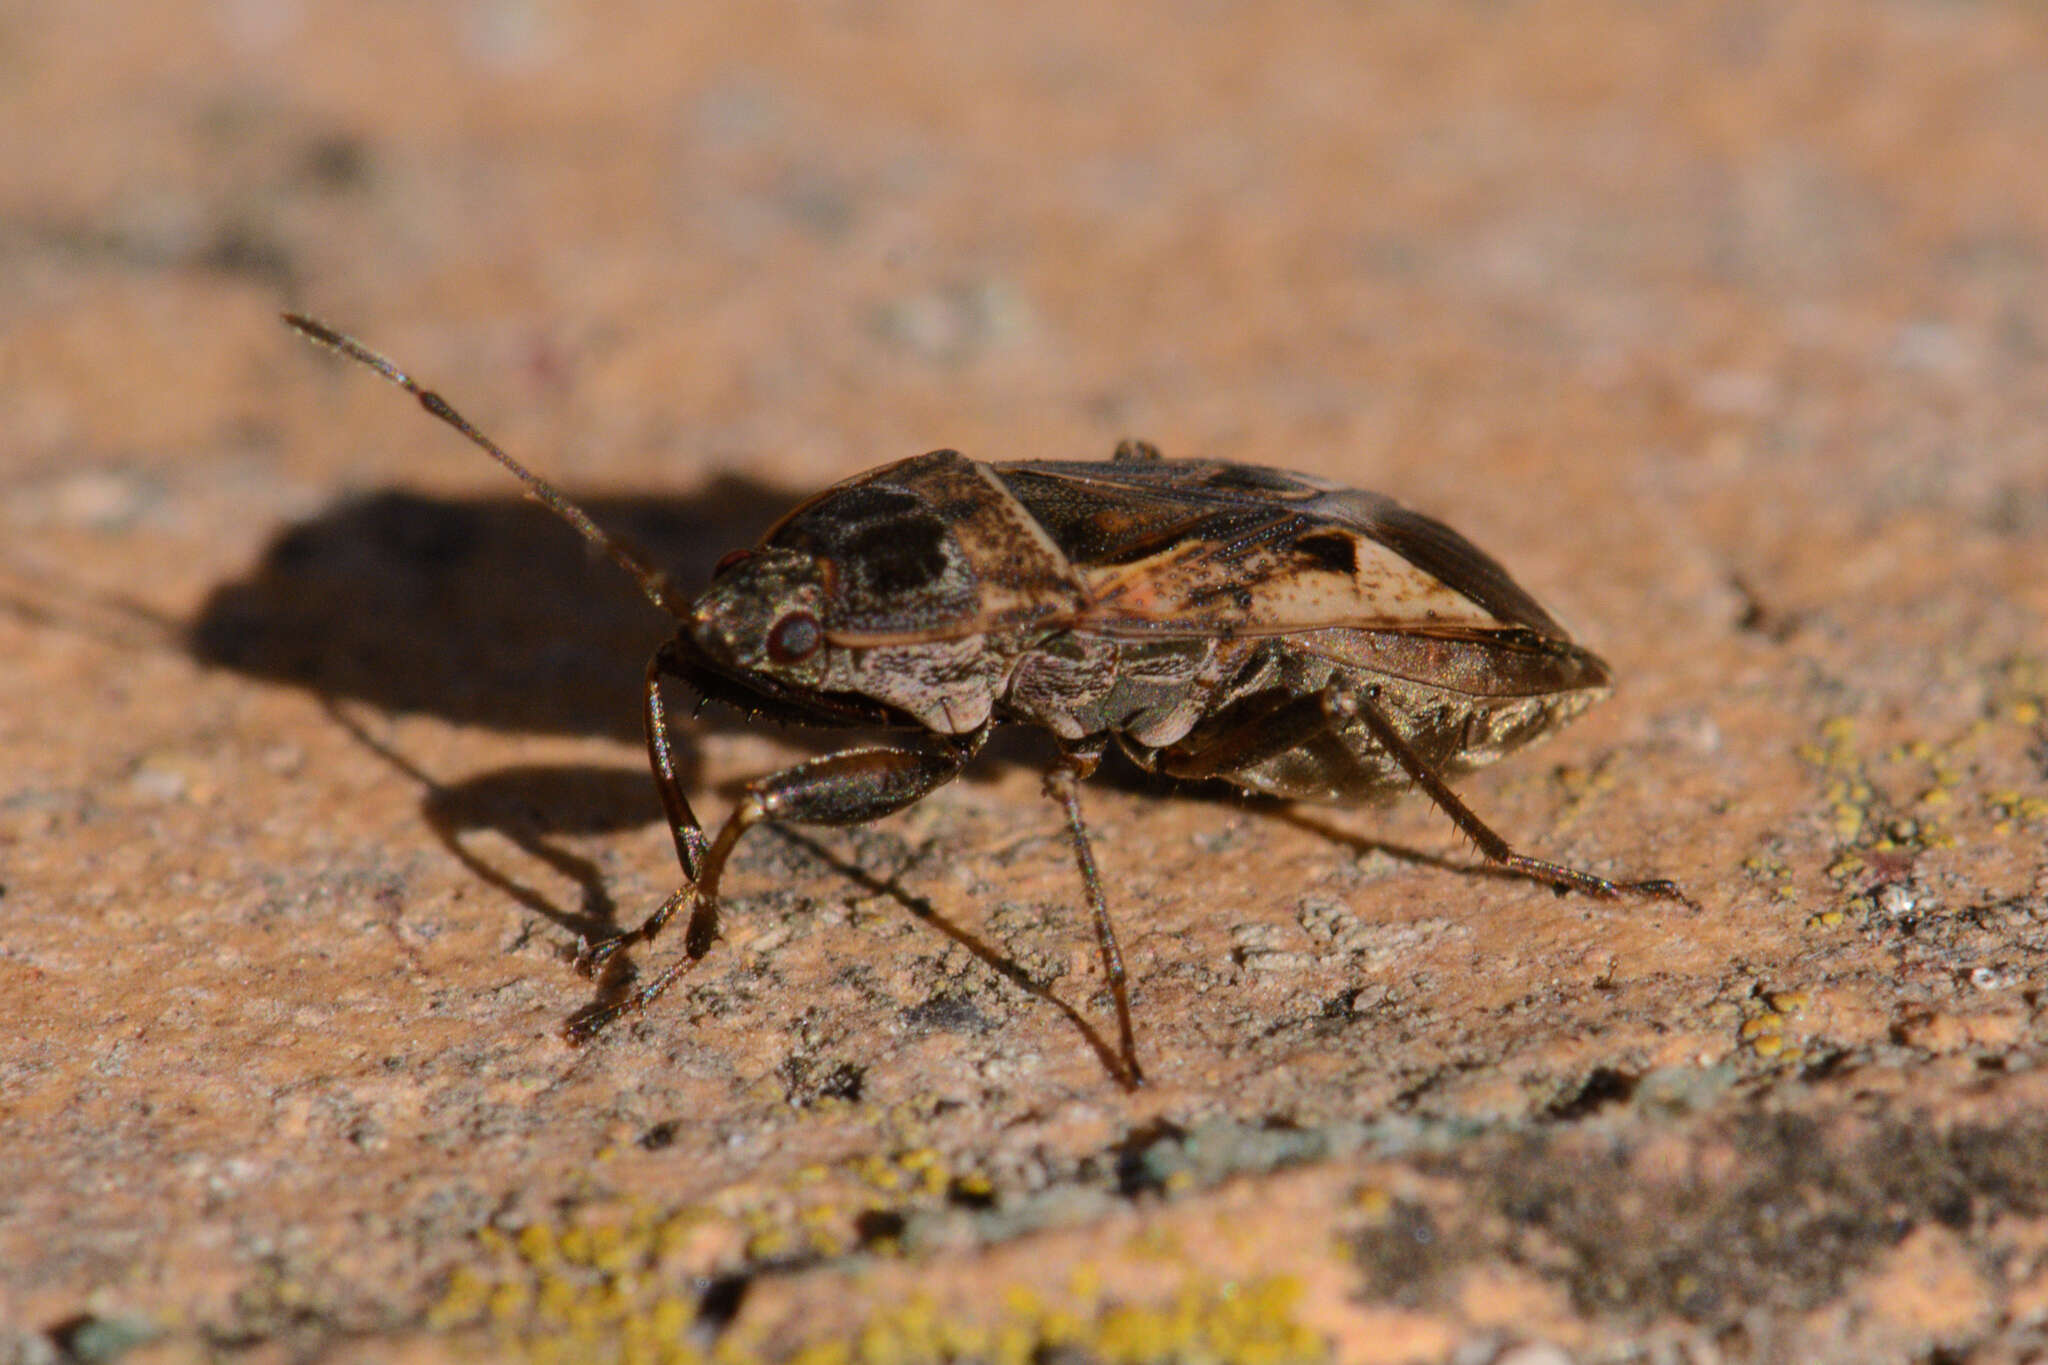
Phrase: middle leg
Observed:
(1075, 765)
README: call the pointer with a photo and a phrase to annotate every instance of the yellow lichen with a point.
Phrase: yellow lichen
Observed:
(1375, 1203)
(607, 1284)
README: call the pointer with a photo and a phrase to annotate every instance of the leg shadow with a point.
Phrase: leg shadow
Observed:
(525, 804)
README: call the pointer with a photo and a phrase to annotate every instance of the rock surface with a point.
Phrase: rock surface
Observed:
(1723, 325)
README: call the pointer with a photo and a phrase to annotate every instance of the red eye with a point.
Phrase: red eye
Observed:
(730, 558)
(794, 638)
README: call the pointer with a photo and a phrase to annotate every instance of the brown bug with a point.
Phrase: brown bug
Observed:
(1265, 628)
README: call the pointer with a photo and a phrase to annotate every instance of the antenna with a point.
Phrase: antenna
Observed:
(652, 581)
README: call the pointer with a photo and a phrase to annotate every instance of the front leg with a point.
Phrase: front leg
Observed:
(683, 825)
(848, 788)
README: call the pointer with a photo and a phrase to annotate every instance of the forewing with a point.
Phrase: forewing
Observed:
(1182, 546)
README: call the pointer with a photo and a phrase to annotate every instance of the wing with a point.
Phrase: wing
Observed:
(1166, 547)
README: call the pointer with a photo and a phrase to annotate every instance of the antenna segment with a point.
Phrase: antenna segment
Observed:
(652, 581)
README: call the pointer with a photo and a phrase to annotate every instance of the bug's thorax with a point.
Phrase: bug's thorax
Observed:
(927, 580)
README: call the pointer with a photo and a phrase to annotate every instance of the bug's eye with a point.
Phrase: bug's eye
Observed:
(730, 558)
(794, 638)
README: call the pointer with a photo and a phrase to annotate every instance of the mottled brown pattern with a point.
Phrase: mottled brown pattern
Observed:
(1002, 570)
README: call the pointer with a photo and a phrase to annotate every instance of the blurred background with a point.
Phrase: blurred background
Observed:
(1505, 262)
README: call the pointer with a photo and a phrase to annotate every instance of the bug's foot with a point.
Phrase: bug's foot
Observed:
(1660, 888)
(589, 1021)
(1564, 879)
(593, 956)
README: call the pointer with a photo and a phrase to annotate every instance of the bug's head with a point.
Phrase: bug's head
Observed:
(764, 613)
(862, 601)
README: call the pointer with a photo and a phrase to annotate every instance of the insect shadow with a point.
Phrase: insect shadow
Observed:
(479, 611)
(482, 612)
(524, 804)
(41, 597)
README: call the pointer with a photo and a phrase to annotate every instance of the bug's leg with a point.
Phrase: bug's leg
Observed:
(1348, 704)
(1076, 764)
(683, 825)
(1337, 709)
(849, 788)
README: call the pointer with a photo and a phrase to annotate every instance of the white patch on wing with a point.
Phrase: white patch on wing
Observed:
(1276, 593)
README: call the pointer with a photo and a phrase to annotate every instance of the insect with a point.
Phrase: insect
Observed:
(1214, 621)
